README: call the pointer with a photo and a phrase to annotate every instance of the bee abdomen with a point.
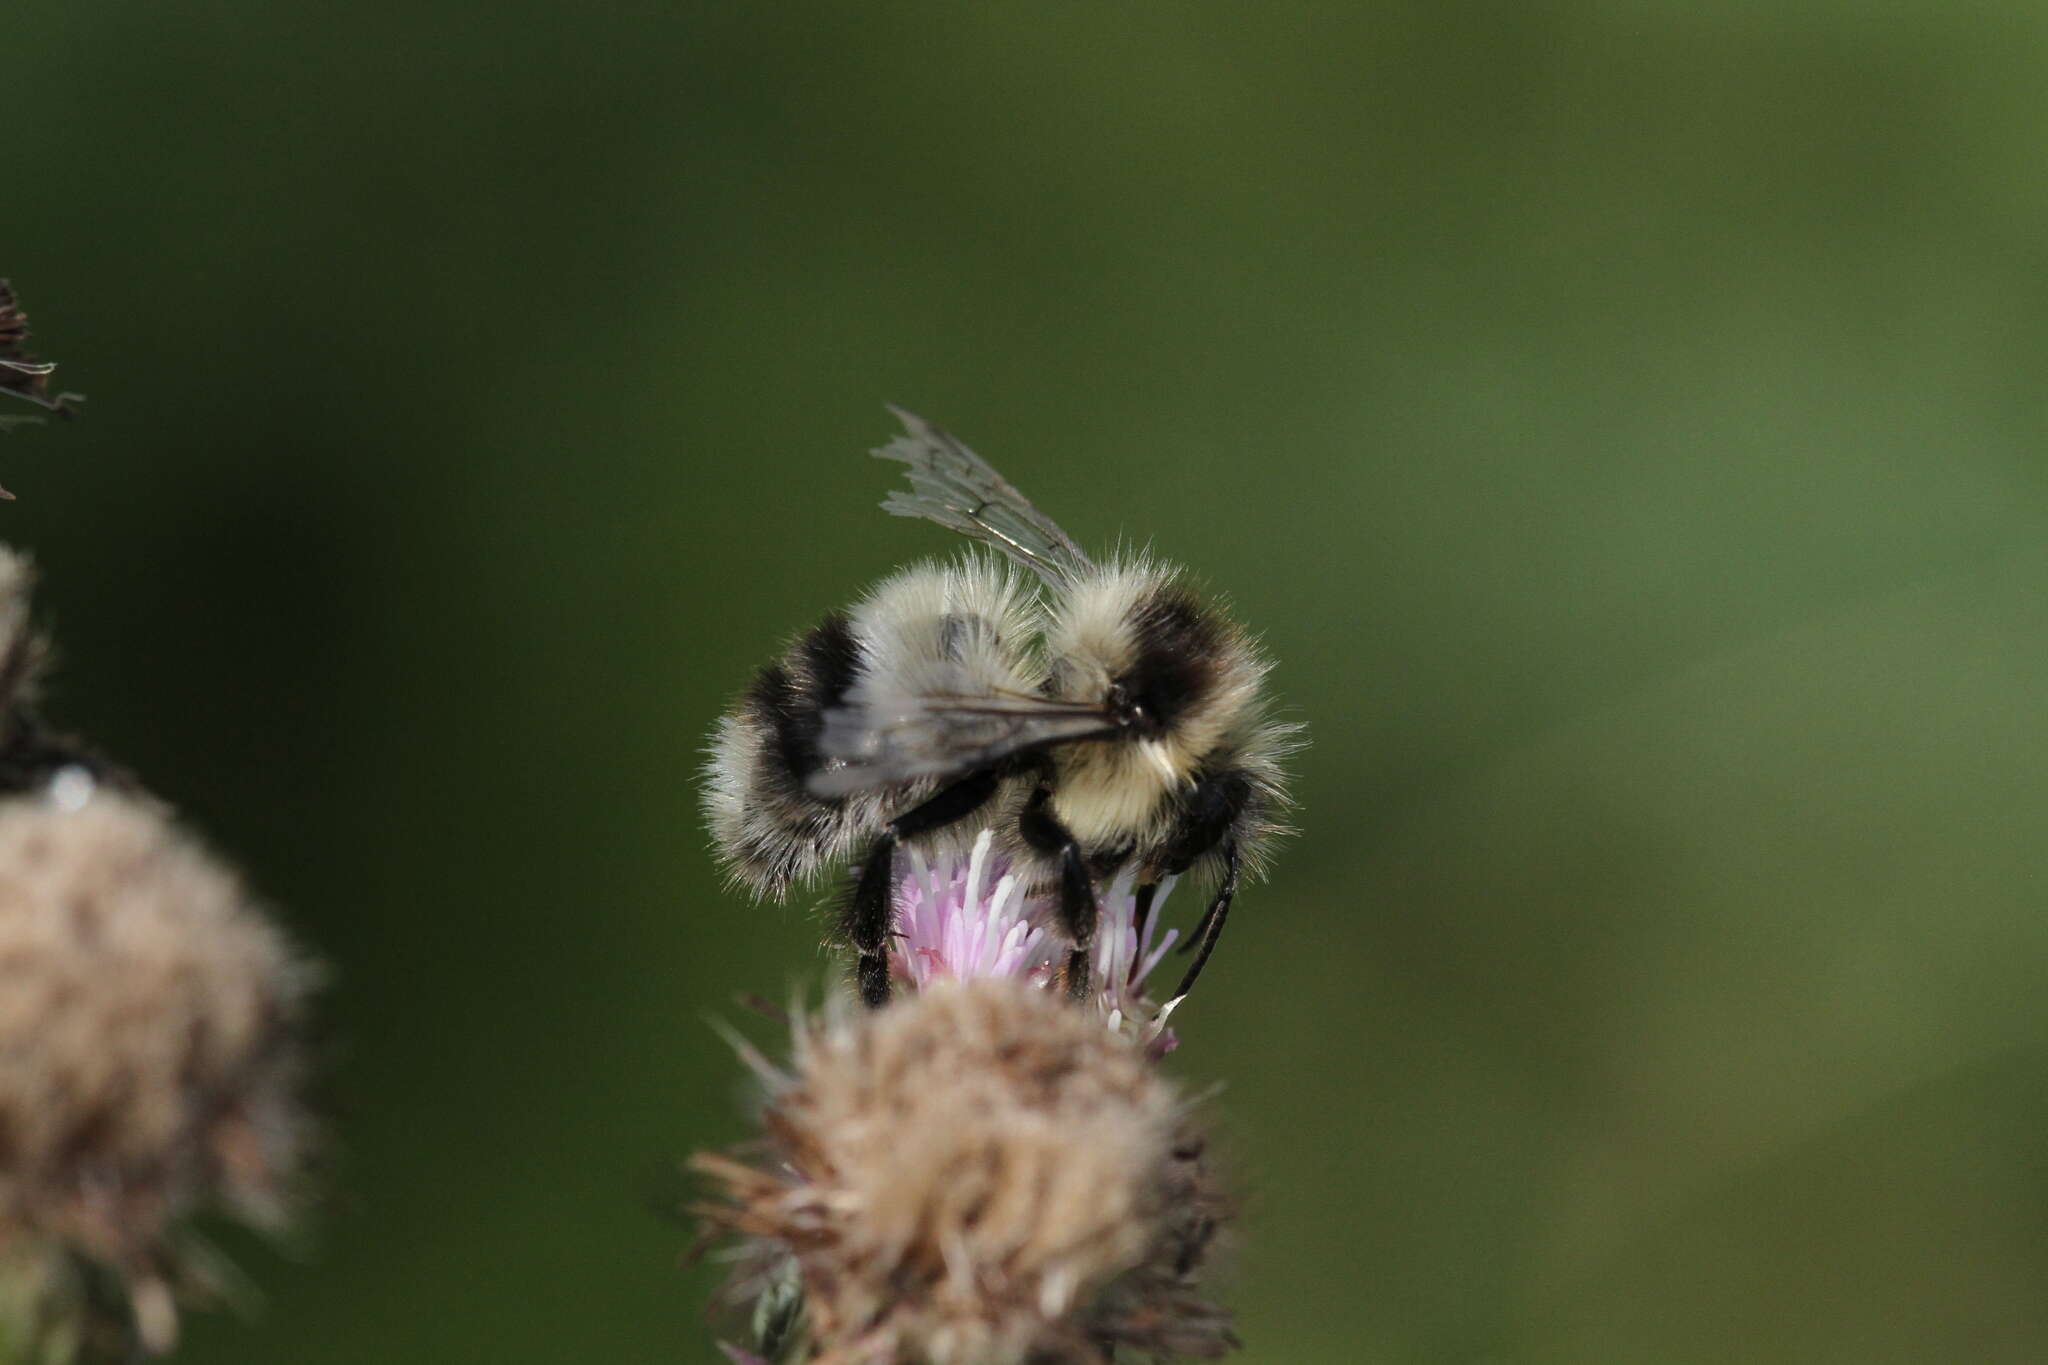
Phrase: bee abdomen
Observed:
(766, 825)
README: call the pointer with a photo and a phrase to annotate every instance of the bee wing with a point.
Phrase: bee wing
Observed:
(882, 740)
(956, 488)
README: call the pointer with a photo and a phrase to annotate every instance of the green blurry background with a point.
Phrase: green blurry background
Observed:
(1625, 421)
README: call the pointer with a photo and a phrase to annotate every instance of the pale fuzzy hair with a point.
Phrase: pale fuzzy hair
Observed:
(908, 632)
(148, 1053)
(964, 626)
(1110, 793)
(805, 836)
(1093, 624)
(1260, 747)
(768, 834)
(1091, 619)
(967, 626)
(980, 1174)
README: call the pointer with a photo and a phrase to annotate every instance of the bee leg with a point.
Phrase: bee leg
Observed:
(868, 918)
(1211, 927)
(1043, 831)
(1142, 915)
(1077, 912)
(871, 912)
(1200, 931)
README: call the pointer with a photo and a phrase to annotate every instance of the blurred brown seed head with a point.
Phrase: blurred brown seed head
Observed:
(22, 651)
(32, 753)
(148, 1064)
(981, 1174)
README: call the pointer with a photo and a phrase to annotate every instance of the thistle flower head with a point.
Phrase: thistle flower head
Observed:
(968, 917)
(147, 1043)
(34, 757)
(979, 1174)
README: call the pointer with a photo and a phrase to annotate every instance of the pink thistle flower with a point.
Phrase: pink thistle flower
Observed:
(969, 917)
(1125, 951)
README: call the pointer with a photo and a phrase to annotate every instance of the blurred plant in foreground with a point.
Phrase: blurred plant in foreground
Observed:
(21, 374)
(149, 1054)
(983, 1172)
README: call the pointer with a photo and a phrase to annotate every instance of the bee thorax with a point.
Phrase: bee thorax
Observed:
(1112, 792)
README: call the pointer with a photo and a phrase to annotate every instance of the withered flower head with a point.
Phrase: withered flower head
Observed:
(22, 651)
(148, 1064)
(21, 374)
(32, 754)
(980, 1174)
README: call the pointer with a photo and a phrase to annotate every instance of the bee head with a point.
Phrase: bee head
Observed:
(1172, 672)
(1170, 667)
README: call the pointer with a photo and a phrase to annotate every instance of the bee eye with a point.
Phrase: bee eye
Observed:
(1128, 707)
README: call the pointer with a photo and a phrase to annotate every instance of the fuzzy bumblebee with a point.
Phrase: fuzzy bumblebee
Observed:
(1097, 716)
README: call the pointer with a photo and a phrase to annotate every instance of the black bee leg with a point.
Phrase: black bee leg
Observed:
(1211, 927)
(1043, 831)
(870, 914)
(869, 917)
(1143, 915)
(1077, 913)
(1195, 937)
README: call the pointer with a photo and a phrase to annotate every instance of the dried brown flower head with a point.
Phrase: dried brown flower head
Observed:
(22, 651)
(21, 374)
(980, 1174)
(148, 1064)
(32, 753)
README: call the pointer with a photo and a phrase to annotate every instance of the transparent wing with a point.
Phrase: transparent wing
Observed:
(882, 740)
(956, 488)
